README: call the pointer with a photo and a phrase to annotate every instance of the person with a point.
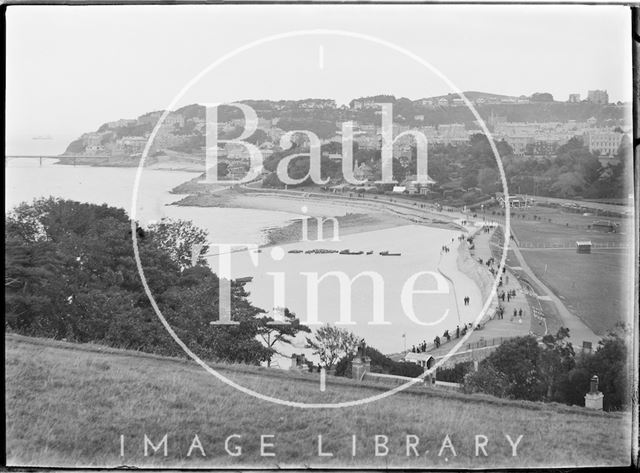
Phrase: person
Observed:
(520, 312)
(457, 331)
(508, 298)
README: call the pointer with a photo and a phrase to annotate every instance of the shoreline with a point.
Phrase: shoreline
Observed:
(152, 163)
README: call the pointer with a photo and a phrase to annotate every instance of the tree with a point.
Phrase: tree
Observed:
(486, 380)
(489, 180)
(610, 363)
(556, 360)
(541, 97)
(272, 333)
(516, 362)
(179, 238)
(331, 343)
(70, 273)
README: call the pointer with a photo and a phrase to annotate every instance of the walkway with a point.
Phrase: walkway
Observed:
(494, 331)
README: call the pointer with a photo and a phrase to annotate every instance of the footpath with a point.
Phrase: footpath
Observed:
(494, 330)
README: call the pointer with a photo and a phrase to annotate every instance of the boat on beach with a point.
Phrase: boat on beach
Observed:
(349, 252)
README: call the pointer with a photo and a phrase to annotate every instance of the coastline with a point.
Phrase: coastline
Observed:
(162, 163)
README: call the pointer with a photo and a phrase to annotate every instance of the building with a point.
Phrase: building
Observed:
(363, 104)
(368, 141)
(313, 104)
(174, 119)
(603, 142)
(452, 133)
(574, 98)
(132, 144)
(598, 96)
(541, 148)
(583, 246)
(413, 186)
(515, 201)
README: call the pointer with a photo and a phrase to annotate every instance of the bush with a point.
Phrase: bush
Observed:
(380, 364)
(455, 374)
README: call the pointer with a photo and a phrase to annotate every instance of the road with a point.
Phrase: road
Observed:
(584, 203)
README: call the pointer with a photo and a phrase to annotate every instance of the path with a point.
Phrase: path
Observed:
(494, 331)
(578, 331)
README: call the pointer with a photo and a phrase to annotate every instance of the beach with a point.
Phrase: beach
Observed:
(362, 226)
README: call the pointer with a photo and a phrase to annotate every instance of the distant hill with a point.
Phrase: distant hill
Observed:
(474, 95)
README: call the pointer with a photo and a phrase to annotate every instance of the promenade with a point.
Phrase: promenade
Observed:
(495, 330)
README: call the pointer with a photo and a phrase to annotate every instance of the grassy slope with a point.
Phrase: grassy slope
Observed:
(68, 404)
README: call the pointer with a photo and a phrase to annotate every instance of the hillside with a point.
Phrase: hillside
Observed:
(183, 130)
(67, 405)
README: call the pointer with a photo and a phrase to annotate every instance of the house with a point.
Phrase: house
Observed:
(174, 119)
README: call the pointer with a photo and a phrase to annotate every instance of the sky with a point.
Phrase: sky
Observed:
(72, 68)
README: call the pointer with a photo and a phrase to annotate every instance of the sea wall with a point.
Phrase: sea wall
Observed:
(479, 274)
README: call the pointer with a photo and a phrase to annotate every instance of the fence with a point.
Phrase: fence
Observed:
(482, 343)
(571, 244)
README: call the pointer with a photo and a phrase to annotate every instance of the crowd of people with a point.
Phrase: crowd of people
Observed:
(437, 341)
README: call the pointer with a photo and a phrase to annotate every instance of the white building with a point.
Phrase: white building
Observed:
(603, 142)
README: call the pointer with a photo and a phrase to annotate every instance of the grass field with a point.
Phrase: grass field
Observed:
(596, 287)
(68, 405)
